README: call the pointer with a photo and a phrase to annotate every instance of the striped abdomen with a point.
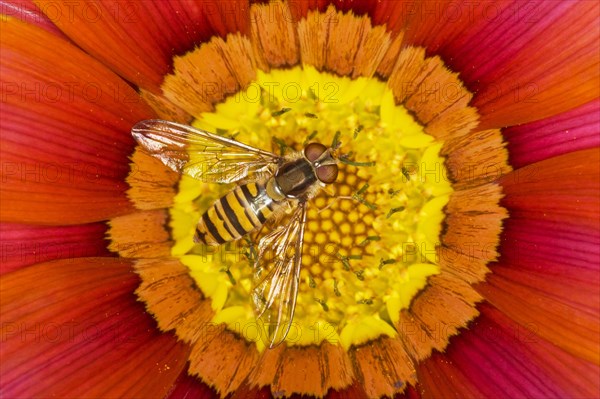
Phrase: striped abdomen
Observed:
(239, 212)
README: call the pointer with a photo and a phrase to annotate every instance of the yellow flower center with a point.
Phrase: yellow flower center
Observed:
(370, 239)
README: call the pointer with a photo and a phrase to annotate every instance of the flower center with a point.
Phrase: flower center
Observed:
(370, 238)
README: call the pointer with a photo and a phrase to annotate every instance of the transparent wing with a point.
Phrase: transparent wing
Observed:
(200, 154)
(276, 288)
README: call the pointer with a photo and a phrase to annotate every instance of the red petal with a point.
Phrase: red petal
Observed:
(563, 189)
(574, 130)
(357, 7)
(548, 278)
(74, 328)
(410, 393)
(381, 12)
(188, 387)
(440, 378)
(24, 245)
(554, 249)
(226, 16)
(357, 392)
(299, 8)
(354, 391)
(525, 60)
(551, 65)
(548, 273)
(541, 304)
(65, 123)
(139, 39)
(497, 358)
(252, 392)
(27, 11)
(394, 14)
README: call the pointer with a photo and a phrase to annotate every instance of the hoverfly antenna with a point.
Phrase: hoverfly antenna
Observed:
(346, 155)
(336, 143)
(336, 199)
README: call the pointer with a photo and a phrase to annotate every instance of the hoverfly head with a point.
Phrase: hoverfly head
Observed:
(325, 165)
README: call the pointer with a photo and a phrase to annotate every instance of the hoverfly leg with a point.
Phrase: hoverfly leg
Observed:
(336, 199)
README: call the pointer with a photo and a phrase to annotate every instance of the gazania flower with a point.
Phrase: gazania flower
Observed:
(455, 256)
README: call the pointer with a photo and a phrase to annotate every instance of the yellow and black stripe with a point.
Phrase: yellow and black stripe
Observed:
(239, 212)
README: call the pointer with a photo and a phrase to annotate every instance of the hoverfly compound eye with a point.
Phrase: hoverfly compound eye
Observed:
(314, 150)
(327, 173)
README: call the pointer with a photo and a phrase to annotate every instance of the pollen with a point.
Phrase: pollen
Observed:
(361, 259)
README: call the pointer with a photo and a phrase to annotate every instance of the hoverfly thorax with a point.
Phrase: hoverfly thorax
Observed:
(298, 177)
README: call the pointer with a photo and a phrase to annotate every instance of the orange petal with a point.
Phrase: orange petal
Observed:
(73, 328)
(152, 183)
(165, 109)
(140, 235)
(440, 311)
(329, 366)
(274, 35)
(472, 235)
(209, 73)
(342, 43)
(173, 299)
(420, 83)
(383, 367)
(222, 359)
(476, 158)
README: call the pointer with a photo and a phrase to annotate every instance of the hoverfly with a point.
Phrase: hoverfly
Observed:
(268, 186)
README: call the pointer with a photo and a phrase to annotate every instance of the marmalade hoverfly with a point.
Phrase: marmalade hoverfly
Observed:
(269, 186)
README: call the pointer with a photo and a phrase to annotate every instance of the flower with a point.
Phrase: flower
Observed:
(104, 293)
